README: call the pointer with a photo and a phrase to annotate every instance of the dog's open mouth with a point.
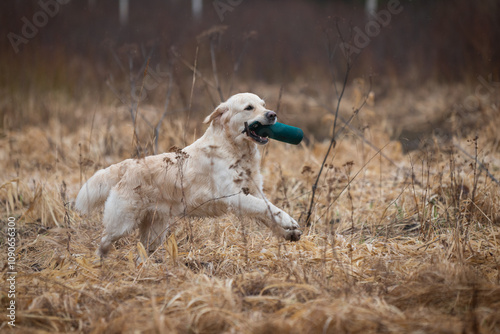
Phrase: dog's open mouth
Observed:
(250, 131)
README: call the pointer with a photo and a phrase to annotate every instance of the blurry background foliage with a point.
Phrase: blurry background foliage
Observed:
(429, 41)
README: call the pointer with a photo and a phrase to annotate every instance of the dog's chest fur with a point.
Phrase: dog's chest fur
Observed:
(240, 169)
(245, 173)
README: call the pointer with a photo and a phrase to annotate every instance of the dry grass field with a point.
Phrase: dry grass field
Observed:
(400, 241)
(404, 235)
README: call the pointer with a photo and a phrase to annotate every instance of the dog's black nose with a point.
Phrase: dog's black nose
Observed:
(270, 115)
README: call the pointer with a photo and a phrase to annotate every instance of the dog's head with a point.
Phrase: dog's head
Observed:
(238, 110)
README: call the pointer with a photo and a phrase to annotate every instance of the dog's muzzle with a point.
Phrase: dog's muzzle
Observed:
(271, 118)
(250, 131)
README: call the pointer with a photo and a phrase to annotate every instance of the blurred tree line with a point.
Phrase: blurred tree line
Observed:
(444, 41)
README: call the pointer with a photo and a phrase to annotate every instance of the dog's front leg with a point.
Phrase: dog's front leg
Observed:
(276, 219)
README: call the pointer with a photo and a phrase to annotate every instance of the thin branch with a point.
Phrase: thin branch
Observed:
(333, 142)
(331, 54)
(144, 69)
(194, 78)
(117, 59)
(214, 65)
(362, 137)
(133, 105)
(192, 68)
(145, 64)
(354, 177)
(481, 166)
(188, 116)
(237, 64)
(122, 100)
(132, 85)
(165, 111)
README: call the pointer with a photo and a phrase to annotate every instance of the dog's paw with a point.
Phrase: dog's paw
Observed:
(295, 225)
(293, 235)
(287, 222)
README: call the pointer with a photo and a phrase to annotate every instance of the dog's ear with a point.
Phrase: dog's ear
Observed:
(217, 113)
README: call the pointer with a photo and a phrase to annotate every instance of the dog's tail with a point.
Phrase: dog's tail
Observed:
(96, 190)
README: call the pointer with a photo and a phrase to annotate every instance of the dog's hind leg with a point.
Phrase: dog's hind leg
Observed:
(119, 220)
(153, 229)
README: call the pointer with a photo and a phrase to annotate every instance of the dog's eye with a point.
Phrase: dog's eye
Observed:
(249, 107)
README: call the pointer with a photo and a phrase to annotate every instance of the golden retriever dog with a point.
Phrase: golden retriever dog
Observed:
(218, 173)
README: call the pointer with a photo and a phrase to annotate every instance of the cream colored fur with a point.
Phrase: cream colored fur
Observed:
(218, 173)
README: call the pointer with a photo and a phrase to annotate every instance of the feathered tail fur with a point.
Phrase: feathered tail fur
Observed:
(95, 191)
